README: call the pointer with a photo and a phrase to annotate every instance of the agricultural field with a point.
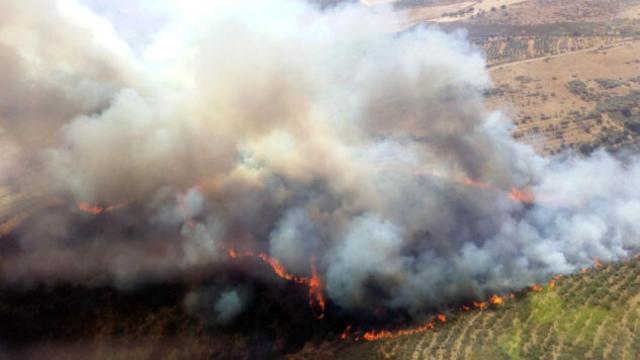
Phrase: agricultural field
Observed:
(581, 101)
(592, 315)
(520, 12)
(566, 72)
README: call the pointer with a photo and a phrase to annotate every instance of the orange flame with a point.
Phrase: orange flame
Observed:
(278, 269)
(316, 295)
(8, 226)
(536, 288)
(317, 301)
(522, 196)
(496, 300)
(345, 333)
(597, 264)
(481, 305)
(516, 194)
(96, 209)
(475, 183)
(88, 208)
(376, 335)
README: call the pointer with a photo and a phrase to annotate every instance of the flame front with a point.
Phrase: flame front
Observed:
(317, 301)
(516, 194)
(376, 335)
(523, 196)
(475, 183)
(96, 209)
(597, 264)
(496, 300)
(442, 318)
(536, 288)
(91, 209)
(316, 295)
(278, 269)
(480, 305)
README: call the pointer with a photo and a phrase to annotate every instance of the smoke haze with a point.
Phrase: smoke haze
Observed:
(283, 127)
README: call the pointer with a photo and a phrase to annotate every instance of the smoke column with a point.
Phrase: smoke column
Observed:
(287, 128)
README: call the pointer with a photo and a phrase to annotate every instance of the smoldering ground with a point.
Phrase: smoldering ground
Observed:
(301, 131)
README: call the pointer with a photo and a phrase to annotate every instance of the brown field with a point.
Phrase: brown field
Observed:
(535, 93)
(557, 66)
(557, 11)
(522, 12)
(539, 51)
(632, 12)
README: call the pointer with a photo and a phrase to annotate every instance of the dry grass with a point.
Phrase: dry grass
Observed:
(515, 12)
(536, 95)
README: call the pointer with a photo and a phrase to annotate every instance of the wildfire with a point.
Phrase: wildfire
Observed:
(278, 269)
(317, 301)
(481, 305)
(597, 264)
(496, 300)
(536, 288)
(376, 335)
(442, 318)
(8, 226)
(316, 295)
(96, 209)
(522, 196)
(345, 333)
(519, 195)
(554, 282)
(475, 183)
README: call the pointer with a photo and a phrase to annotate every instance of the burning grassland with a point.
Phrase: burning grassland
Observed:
(579, 314)
(362, 177)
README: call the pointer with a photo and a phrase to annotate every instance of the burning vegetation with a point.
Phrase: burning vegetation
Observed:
(388, 195)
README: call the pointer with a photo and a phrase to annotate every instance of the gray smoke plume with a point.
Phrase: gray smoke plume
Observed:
(216, 306)
(280, 127)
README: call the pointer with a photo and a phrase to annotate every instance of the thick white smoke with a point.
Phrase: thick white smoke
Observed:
(281, 127)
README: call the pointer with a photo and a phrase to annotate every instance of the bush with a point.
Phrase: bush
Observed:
(523, 79)
(624, 109)
(608, 83)
(579, 87)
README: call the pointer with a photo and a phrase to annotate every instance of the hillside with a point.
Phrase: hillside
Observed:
(572, 101)
(566, 72)
(148, 266)
(592, 315)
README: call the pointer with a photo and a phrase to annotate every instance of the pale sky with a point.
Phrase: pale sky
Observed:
(134, 21)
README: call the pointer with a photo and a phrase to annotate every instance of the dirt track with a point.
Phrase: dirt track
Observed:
(544, 58)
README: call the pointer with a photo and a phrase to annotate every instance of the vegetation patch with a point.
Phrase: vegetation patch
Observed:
(580, 88)
(607, 84)
(624, 109)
